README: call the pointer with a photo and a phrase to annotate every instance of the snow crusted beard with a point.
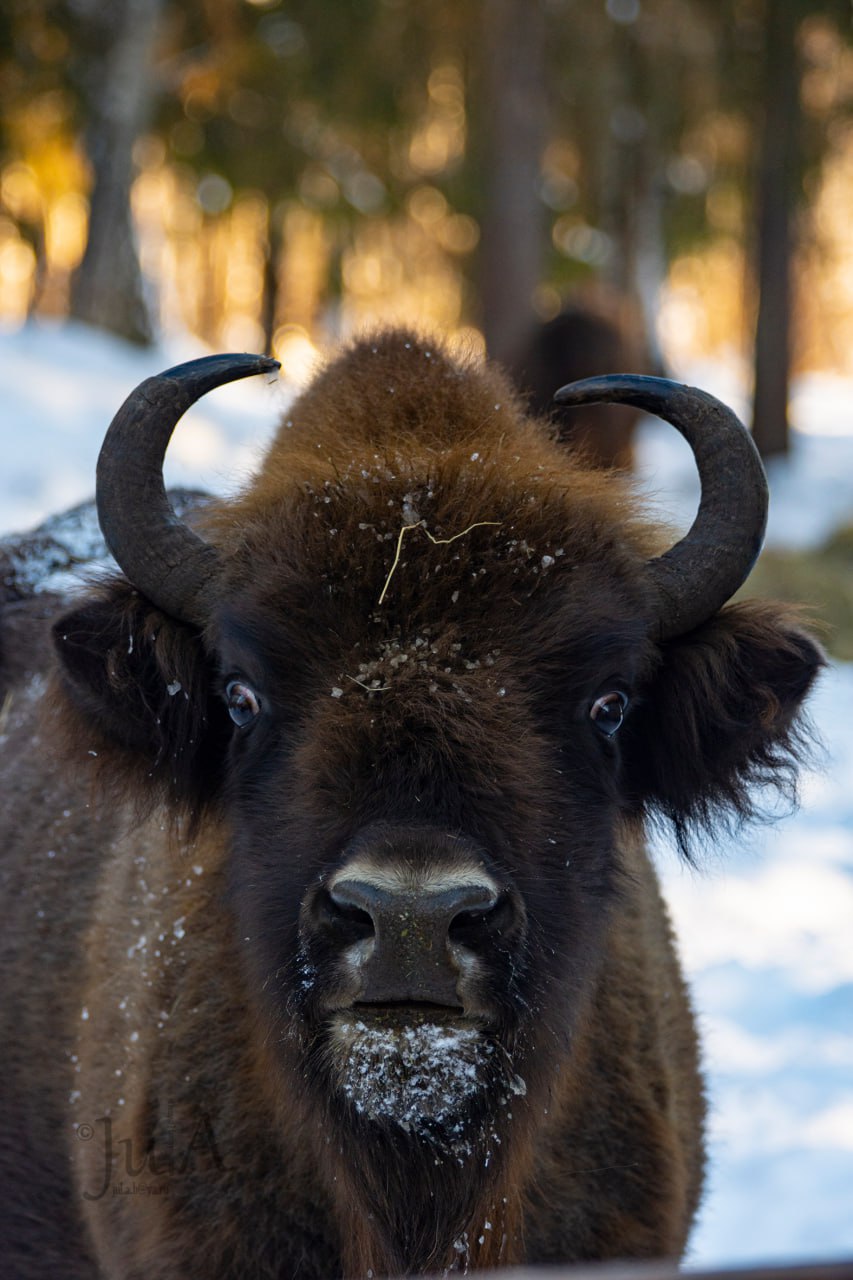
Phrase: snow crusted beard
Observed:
(420, 1077)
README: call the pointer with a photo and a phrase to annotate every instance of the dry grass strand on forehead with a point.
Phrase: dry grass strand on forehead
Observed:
(438, 542)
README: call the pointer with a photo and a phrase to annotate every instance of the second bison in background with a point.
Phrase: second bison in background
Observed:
(590, 337)
(359, 960)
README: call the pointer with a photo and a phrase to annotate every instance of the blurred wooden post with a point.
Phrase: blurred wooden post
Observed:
(666, 1270)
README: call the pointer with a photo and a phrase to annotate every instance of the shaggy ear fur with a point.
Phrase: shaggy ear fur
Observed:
(721, 717)
(136, 689)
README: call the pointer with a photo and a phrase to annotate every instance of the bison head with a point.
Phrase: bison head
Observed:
(429, 675)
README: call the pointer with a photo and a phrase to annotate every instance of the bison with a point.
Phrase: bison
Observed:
(331, 944)
(590, 336)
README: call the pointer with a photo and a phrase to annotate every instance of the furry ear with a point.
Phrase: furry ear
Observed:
(723, 716)
(135, 685)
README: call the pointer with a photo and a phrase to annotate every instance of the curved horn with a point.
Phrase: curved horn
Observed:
(705, 568)
(162, 557)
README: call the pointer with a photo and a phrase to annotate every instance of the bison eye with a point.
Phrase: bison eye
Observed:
(243, 704)
(608, 712)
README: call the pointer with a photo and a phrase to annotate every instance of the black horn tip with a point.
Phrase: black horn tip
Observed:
(197, 377)
(638, 389)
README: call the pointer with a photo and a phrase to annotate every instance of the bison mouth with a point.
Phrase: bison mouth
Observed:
(419, 1068)
(407, 1013)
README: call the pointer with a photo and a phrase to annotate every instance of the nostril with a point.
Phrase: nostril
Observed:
(342, 914)
(475, 926)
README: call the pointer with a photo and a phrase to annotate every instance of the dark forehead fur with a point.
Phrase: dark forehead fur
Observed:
(505, 530)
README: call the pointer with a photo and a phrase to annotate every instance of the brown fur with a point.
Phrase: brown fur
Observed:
(162, 986)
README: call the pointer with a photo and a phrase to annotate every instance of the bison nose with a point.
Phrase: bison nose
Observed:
(433, 914)
(414, 943)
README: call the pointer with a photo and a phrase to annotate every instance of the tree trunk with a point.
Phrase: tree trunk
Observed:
(107, 287)
(778, 165)
(272, 266)
(630, 182)
(513, 123)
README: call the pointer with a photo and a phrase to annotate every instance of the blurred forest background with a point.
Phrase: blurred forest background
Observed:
(269, 174)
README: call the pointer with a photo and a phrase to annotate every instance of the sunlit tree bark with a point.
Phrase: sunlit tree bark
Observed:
(107, 287)
(778, 165)
(512, 128)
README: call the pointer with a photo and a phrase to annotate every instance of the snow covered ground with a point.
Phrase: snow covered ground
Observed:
(766, 928)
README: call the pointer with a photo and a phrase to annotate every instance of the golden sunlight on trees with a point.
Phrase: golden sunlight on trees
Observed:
(43, 210)
(294, 171)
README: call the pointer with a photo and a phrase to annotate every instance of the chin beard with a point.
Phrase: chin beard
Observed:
(445, 1083)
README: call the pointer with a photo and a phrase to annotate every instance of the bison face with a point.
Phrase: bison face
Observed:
(425, 794)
